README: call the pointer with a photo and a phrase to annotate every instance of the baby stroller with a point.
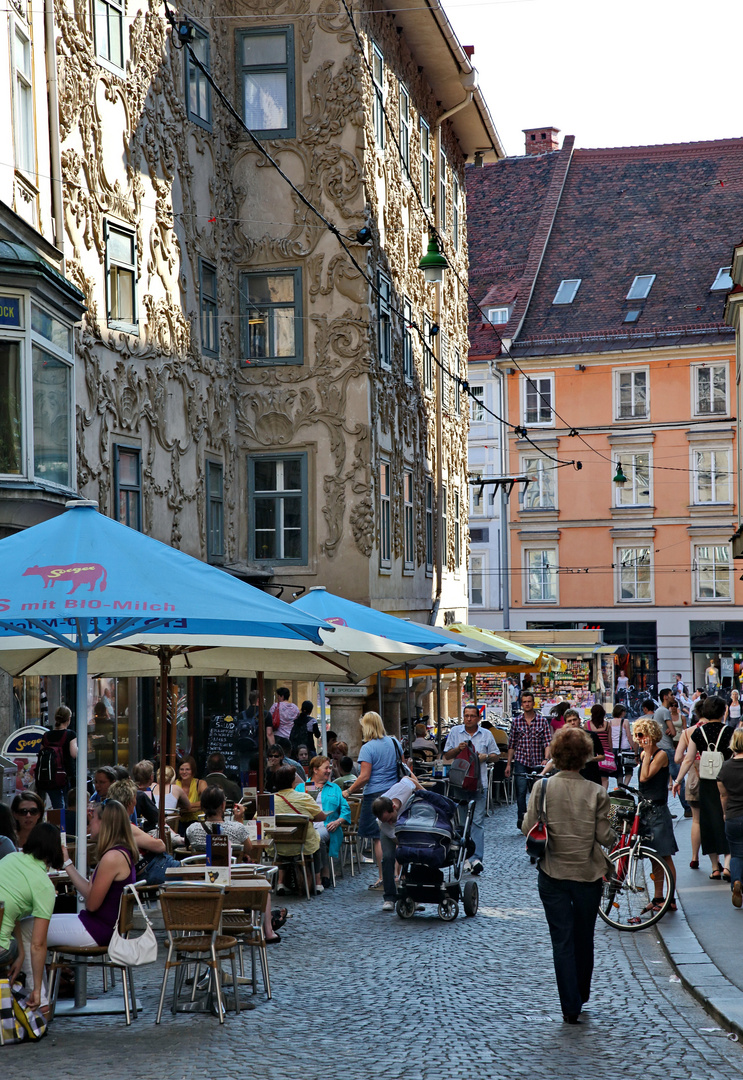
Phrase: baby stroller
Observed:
(430, 843)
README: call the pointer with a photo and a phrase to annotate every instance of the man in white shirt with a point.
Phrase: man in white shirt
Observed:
(487, 751)
(386, 809)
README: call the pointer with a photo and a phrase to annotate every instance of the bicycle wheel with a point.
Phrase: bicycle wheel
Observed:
(639, 874)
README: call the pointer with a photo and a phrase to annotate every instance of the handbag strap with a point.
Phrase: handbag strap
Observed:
(541, 815)
(139, 904)
(722, 729)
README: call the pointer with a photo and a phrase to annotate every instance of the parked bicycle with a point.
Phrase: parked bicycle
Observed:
(639, 873)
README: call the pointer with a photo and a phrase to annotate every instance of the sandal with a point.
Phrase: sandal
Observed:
(716, 875)
(654, 906)
(273, 940)
(377, 884)
(726, 875)
(694, 864)
(672, 906)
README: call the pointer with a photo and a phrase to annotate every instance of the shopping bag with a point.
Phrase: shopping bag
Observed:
(20, 1023)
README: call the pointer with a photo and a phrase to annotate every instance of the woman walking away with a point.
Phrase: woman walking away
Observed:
(711, 737)
(621, 741)
(576, 813)
(692, 795)
(599, 725)
(730, 783)
(654, 774)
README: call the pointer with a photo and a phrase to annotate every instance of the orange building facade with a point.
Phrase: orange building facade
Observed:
(614, 363)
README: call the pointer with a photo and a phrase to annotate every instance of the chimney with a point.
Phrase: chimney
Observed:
(541, 140)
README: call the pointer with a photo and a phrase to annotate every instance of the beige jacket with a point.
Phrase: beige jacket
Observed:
(576, 813)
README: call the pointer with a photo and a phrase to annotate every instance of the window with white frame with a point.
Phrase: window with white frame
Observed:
(713, 572)
(442, 190)
(710, 389)
(23, 105)
(711, 476)
(541, 575)
(429, 526)
(428, 357)
(567, 290)
(455, 214)
(457, 383)
(631, 395)
(634, 575)
(198, 90)
(265, 67)
(498, 316)
(408, 358)
(36, 393)
(384, 320)
(378, 103)
(540, 494)
(405, 123)
(640, 287)
(444, 538)
(538, 395)
(121, 277)
(636, 467)
(723, 281)
(108, 21)
(477, 508)
(277, 508)
(477, 403)
(408, 521)
(426, 163)
(385, 515)
(457, 531)
(477, 581)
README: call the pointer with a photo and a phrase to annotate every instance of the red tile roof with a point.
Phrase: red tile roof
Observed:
(674, 211)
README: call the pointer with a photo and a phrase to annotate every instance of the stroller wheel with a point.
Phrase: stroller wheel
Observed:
(405, 908)
(471, 898)
(448, 909)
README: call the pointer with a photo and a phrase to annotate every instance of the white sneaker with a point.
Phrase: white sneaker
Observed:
(388, 906)
(319, 888)
(467, 868)
(476, 867)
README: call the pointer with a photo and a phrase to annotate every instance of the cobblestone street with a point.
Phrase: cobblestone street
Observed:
(360, 994)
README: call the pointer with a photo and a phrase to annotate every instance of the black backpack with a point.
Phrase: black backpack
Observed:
(51, 774)
(247, 733)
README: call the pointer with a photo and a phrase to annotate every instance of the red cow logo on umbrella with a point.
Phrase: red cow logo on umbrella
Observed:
(78, 574)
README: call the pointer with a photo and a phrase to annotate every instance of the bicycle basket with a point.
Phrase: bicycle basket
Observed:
(621, 810)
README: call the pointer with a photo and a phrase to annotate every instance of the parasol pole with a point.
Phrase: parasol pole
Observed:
(408, 707)
(323, 722)
(261, 730)
(438, 710)
(81, 798)
(164, 655)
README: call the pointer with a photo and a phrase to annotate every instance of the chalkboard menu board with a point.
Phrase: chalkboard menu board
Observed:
(223, 740)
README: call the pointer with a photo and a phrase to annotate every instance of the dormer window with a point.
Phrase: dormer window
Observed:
(641, 286)
(497, 316)
(567, 290)
(723, 282)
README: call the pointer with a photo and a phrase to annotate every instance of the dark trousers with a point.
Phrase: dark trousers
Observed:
(521, 786)
(571, 908)
(734, 833)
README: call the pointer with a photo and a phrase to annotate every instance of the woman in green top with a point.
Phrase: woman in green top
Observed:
(26, 891)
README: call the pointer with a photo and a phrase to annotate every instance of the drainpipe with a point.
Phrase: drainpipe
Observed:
(55, 153)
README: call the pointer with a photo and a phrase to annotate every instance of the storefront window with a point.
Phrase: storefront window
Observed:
(112, 724)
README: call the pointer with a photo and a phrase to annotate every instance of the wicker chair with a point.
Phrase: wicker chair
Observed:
(191, 916)
(96, 955)
(300, 824)
(351, 834)
(245, 905)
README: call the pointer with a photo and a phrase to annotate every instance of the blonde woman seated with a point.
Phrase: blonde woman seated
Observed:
(175, 797)
(289, 801)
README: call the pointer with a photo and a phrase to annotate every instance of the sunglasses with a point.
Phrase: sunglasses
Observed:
(33, 810)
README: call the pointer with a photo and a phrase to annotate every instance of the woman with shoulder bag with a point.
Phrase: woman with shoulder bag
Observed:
(711, 739)
(691, 794)
(621, 741)
(571, 871)
(599, 726)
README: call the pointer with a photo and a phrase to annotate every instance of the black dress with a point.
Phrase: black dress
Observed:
(590, 770)
(711, 820)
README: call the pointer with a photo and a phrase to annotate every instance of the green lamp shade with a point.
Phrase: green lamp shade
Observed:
(433, 262)
(620, 478)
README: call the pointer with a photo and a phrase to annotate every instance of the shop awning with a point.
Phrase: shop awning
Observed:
(537, 658)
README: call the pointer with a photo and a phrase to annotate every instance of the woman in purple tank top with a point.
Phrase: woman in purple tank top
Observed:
(117, 855)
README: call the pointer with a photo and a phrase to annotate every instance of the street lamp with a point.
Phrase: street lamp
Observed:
(620, 478)
(433, 263)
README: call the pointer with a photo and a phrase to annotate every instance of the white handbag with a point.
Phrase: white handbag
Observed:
(134, 952)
